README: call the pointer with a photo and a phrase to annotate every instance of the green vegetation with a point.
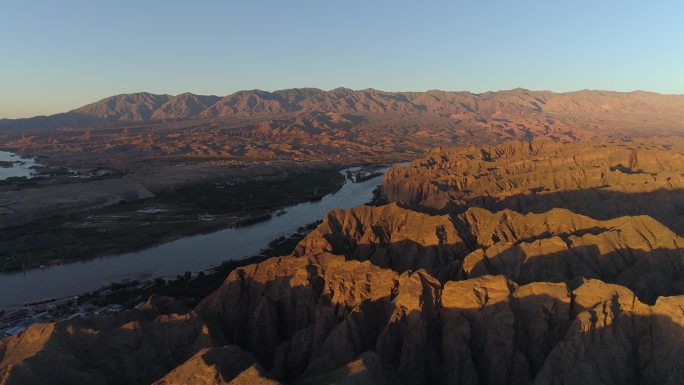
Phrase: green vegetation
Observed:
(254, 196)
(184, 287)
(378, 199)
(122, 228)
(187, 287)
(59, 176)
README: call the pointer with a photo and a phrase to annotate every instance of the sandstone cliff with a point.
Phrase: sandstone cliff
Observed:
(555, 246)
(390, 237)
(523, 263)
(602, 180)
(135, 347)
(303, 317)
(223, 365)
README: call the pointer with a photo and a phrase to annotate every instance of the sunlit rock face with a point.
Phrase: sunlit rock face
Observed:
(391, 237)
(322, 313)
(524, 263)
(555, 246)
(598, 179)
(134, 347)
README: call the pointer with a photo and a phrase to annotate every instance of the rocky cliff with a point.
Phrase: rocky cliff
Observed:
(554, 246)
(303, 317)
(599, 179)
(523, 263)
(135, 347)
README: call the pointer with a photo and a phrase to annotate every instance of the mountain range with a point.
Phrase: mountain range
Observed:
(146, 107)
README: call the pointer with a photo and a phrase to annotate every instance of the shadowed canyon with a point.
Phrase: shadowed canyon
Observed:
(542, 261)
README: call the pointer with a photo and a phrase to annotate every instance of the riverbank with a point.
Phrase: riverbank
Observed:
(192, 253)
(14, 166)
(188, 288)
(132, 226)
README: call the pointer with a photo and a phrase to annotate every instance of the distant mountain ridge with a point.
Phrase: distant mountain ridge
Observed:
(143, 106)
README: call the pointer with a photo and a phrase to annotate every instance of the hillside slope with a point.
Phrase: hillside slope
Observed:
(143, 106)
(429, 288)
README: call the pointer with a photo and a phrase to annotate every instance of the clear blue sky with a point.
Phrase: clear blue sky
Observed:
(58, 55)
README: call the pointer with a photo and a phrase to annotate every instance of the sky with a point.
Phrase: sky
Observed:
(58, 55)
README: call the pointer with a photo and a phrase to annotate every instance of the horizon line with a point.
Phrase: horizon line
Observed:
(347, 88)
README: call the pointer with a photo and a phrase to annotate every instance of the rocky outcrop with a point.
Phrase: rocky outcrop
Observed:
(327, 320)
(602, 180)
(616, 339)
(135, 347)
(559, 246)
(298, 315)
(227, 365)
(322, 313)
(368, 369)
(554, 246)
(390, 237)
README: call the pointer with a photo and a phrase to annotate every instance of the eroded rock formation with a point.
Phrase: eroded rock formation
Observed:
(525, 263)
(322, 313)
(555, 246)
(227, 365)
(602, 180)
(135, 347)
(390, 237)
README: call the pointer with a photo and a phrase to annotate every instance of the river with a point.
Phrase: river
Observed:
(21, 166)
(185, 254)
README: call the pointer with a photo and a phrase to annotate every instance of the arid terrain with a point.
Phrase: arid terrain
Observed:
(527, 262)
(158, 143)
(341, 193)
(331, 126)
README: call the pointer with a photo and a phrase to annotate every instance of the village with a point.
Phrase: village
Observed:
(111, 298)
(116, 297)
(16, 319)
